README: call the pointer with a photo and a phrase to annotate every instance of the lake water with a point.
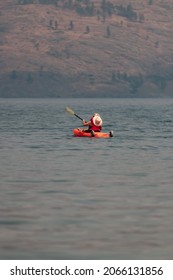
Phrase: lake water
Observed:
(63, 197)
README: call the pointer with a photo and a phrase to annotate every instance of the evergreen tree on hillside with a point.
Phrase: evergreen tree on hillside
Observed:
(108, 31)
(150, 2)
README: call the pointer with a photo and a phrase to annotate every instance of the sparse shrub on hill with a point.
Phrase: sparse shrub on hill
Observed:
(71, 25)
(87, 29)
(141, 17)
(108, 32)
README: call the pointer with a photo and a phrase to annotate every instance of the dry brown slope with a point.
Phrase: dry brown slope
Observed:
(40, 56)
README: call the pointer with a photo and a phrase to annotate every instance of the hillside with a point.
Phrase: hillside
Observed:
(66, 48)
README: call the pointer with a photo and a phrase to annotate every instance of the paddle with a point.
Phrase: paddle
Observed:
(70, 111)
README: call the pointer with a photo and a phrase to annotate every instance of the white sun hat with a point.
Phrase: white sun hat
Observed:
(97, 120)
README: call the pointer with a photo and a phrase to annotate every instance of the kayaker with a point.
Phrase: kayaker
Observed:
(94, 124)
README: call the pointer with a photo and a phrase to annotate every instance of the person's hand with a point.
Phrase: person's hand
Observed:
(83, 121)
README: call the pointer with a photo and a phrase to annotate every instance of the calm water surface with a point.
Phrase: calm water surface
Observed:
(63, 197)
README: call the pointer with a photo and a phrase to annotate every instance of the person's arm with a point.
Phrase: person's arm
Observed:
(86, 123)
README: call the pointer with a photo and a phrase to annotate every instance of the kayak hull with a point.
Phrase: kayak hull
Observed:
(78, 132)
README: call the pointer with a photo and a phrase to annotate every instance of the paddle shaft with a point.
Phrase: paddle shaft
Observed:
(78, 117)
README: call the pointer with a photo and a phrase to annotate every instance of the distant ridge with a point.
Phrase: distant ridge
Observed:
(70, 48)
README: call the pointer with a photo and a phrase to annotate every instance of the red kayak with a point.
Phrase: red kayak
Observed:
(81, 133)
